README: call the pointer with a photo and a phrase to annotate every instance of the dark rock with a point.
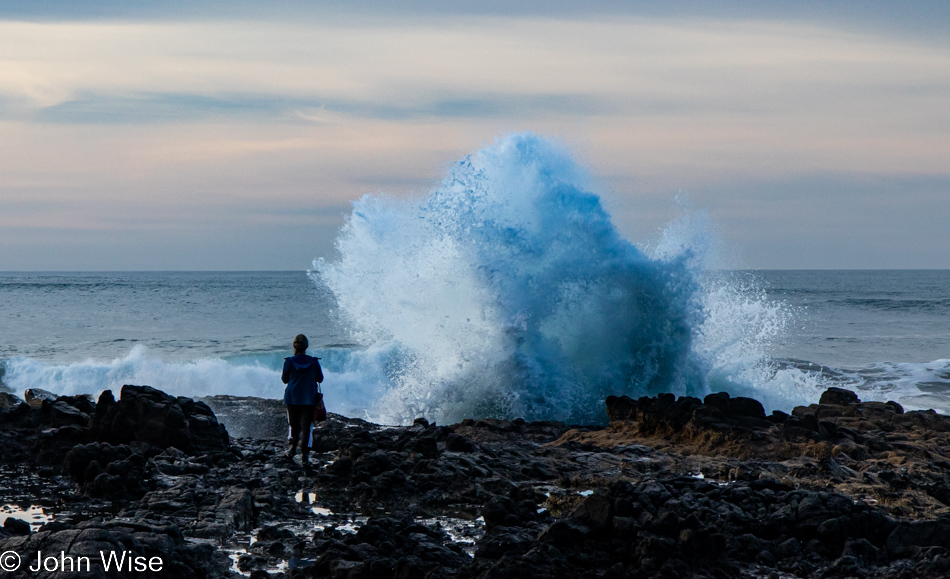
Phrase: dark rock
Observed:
(9, 402)
(235, 511)
(565, 532)
(272, 533)
(36, 396)
(845, 566)
(596, 511)
(665, 413)
(741, 406)
(62, 414)
(144, 414)
(778, 417)
(909, 537)
(458, 443)
(863, 552)
(178, 559)
(427, 447)
(505, 541)
(769, 484)
(82, 402)
(838, 396)
(53, 444)
(718, 400)
(105, 471)
(788, 548)
(500, 512)
(621, 408)
(16, 526)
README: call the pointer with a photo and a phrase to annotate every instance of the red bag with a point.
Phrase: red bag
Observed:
(319, 410)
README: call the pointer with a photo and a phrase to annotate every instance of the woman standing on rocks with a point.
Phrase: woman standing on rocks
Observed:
(302, 375)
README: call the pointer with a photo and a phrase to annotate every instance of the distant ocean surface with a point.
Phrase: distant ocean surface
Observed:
(883, 333)
(506, 292)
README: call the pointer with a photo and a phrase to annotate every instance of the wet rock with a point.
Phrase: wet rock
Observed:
(838, 396)
(788, 548)
(457, 443)
(596, 511)
(36, 396)
(500, 512)
(565, 532)
(16, 526)
(52, 444)
(164, 546)
(105, 471)
(9, 402)
(63, 414)
(233, 511)
(909, 538)
(426, 447)
(746, 407)
(144, 414)
(665, 413)
(250, 417)
(709, 488)
(505, 542)
(386, 547)
(272, 533)
(863, 552)
(621, 408)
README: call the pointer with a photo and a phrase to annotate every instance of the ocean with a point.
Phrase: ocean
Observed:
(885, 334)
(506, 292)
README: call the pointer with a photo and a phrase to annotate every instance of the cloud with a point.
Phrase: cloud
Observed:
(164, 108)
(155, 119)
(176, 108)
(916, 16)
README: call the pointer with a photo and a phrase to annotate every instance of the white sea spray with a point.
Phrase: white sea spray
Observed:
(508, 292)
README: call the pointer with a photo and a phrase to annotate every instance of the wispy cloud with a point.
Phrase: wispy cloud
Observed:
(175, 108)
(165, 108)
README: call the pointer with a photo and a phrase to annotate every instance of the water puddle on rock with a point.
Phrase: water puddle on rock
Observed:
(251, 551)
(26, 496)
(35, 515)
(310, 498)
(463, 532)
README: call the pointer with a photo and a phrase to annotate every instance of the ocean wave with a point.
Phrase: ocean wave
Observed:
(358, 378)
(354, 376)
(509, 292)
(195, 378)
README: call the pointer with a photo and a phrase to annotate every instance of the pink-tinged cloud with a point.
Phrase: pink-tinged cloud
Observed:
(111, 125)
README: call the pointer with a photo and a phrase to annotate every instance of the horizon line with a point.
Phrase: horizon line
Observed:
(745, 269)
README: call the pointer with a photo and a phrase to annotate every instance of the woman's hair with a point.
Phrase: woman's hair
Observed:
(301, 342)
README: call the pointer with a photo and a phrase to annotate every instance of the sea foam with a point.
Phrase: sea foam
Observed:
(195, 378)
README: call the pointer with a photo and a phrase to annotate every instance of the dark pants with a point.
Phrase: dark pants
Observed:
(300, 417)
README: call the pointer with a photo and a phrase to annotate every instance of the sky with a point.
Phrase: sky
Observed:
(233, 135)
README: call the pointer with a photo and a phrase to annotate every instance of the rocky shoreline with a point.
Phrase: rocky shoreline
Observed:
(672, 487)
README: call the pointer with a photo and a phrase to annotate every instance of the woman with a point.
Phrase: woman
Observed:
(302, 375)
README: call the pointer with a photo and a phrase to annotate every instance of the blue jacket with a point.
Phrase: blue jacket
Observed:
(301, 374)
